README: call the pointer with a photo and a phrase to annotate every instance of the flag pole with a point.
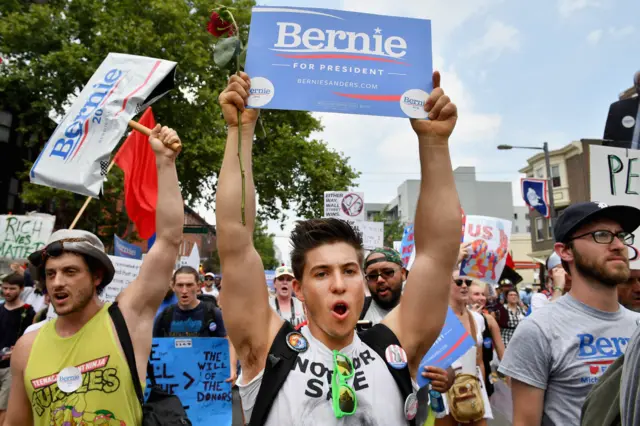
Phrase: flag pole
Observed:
(174, 146)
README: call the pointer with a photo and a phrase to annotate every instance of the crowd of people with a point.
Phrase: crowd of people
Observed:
(340, 338)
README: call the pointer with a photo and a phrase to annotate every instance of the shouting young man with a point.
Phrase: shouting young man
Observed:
(74, 366)
(326, 373)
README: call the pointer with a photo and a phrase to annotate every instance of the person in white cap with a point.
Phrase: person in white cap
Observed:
(75, 365)
(554, 287)
(209, 289)
(286, 305)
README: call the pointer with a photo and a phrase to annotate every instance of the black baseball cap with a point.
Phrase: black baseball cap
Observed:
(579, 214)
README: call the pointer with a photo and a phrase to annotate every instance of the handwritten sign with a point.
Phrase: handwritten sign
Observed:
(344, 205)
(453, 342)
(615, 179)
(127, 270)
(372, 233)
(407, 246)
(489, 237)
(336, 61)
(22, 235)
(195, 370)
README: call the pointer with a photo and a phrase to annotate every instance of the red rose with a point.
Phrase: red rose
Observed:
(218, 27)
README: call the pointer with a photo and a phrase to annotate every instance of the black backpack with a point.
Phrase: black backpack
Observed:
(365, 308)
(161, 408)
(282, 358)
(210, 308)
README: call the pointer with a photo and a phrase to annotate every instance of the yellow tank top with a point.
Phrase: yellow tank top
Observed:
(82, 380)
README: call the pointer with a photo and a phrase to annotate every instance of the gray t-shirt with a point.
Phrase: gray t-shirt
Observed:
(563, 348)
(630, 385)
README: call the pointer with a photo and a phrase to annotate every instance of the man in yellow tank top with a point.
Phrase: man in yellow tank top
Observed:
(72, 371)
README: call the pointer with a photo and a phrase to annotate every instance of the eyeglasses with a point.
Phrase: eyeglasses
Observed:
(460, 281)
(343, 396)
(208, 278)
(606, 237)
(39, 258)
(385, 273)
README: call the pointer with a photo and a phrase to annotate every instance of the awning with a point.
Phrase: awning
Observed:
(526, 265)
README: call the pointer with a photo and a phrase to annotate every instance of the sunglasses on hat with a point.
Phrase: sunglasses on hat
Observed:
(39, 258)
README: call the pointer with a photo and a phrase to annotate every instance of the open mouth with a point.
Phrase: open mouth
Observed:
(383, 292)
(340, 310)
(60, 297)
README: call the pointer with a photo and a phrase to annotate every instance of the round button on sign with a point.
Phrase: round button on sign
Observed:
(412, 103)
(261, 92)
(69, 379)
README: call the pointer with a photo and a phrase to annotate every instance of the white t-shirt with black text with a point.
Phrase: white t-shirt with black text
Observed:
(305, 397)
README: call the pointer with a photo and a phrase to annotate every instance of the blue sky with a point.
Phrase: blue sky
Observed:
(521, 73)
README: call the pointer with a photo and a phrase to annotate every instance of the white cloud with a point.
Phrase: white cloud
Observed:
(622, 32)
(594, 36)
(569, 7)
(498, 38)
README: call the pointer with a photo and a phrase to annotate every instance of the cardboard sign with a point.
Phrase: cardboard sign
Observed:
(124, 249)
(22, 235)
(335, 61)
(453, 342)
(489, 237)
(372, 233)
(127, 270)
(77, 154)
(615, 180)
(195, 370)
(344, 205)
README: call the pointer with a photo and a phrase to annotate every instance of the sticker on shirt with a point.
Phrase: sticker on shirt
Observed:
(396, 357)
(213, 326)
(69, 379)
(411, 406)
(297, 342)
(598, 353)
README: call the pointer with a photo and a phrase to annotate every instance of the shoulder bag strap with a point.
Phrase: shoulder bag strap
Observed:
(279, 363)
(378, 338)
(365, 308)
(127, 347)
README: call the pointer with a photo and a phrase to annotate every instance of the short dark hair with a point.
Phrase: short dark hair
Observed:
(14, 279)
(186, 270)
(313, 233)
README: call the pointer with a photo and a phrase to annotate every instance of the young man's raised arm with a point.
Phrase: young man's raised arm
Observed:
(250, 322)
(419, 318)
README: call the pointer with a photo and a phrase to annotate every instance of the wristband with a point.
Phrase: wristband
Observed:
(558, 288)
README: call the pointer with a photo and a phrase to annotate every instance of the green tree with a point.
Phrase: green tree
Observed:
(393, 229)
(51, 50)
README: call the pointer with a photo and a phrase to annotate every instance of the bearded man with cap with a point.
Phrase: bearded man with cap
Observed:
(209, 289)
(385, 275)
(558, 354)
(74, 366)
(286, 305)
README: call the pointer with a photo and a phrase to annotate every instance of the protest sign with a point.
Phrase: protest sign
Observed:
(344, 205)
(372, 233)
(453, 342)
(195, 370)
(22, 235)
(615, 180)
(407, 246)
(489, 238)
(127, 270)
(124, 249)
(270, 276)
(76, 157)
(336, 61)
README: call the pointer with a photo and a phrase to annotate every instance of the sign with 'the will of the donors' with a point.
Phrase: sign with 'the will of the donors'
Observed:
(335, 61)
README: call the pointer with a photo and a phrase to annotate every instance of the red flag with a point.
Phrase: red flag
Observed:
(510, 262)
(138, 162)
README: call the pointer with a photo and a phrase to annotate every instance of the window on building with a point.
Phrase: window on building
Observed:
(528, 229)
(555, 176)
(517, 229)
(526, 216)
(515, 216)
(540, 173)
(539, 229)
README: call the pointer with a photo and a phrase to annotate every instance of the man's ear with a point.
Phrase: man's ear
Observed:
(404, 274)
(564, 251)
(297, 288)
(97, 277)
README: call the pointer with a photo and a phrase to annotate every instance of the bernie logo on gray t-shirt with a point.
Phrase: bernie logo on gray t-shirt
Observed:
(564, 348)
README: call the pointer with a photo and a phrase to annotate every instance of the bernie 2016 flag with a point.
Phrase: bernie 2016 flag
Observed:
(535, 194)
(76, 156)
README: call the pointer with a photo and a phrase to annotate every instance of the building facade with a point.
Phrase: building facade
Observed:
(570, 184)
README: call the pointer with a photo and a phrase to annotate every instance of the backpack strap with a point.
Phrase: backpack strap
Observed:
(365, 308)
(127, 347)
(279, 363)
(378, 338)
(165, 320)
